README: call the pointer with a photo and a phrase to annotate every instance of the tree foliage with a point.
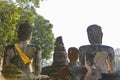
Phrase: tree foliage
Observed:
(34, 2)
(43, 35)
(12, 15)
(9, 14)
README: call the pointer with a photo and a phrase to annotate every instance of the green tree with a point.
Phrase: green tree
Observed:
(34, 3)
(43, 35)
(9, 14)
(12, 15)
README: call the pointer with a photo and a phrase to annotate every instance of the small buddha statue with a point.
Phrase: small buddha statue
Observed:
(73, 71)
(73, 55)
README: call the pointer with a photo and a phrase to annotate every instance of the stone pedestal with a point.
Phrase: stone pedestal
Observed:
(110, 76)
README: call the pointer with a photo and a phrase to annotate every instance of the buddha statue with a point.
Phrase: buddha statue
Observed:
(73, 71)
(22, 60)
(97, 58)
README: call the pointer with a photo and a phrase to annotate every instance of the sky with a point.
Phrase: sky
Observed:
(70, 19)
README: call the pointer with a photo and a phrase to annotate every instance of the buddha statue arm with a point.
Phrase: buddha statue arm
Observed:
(111, 61)
(5, 59)
(37, 61)
(8, 54)
(109, 65)
(81, 57)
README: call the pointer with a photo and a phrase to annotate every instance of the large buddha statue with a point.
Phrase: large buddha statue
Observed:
(22, 60)
(97, 58)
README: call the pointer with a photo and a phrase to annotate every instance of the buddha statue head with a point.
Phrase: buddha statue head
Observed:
(95, 34)
(24, 32)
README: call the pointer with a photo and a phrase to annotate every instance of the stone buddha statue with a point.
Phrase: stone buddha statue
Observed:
(73, 53)
(97, 58)
(22, 60)
(73, 71)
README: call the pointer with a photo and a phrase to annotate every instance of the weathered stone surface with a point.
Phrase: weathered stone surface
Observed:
(59, 60)
(110, 76)
(97, 58)
(60, 55)
(14, 64)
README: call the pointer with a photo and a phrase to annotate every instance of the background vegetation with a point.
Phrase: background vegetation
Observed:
(15, 12)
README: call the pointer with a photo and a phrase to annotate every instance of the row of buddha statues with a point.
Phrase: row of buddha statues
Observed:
(22, 61)
(61, 68)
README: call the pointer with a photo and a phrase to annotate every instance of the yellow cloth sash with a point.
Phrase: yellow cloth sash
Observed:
(22, 55)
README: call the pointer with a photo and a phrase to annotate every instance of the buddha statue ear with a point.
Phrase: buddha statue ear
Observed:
(30, 37)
